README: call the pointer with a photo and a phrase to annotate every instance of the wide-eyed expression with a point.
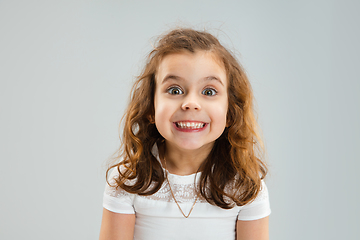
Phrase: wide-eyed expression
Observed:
(191, 99)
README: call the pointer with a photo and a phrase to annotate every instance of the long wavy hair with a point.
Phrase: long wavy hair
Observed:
(235, 159)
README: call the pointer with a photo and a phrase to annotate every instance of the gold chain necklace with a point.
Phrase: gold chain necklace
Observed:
(172, 193)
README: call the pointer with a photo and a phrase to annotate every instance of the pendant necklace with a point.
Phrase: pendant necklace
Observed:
(172, 193)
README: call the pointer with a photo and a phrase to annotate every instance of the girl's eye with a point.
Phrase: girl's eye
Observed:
(209, 92)
(175, 91)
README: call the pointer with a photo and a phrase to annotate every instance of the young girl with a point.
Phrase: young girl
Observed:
(189, 166)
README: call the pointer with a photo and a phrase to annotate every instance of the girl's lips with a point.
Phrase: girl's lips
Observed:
(190, 126)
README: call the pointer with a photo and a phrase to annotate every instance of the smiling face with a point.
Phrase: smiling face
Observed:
(191, 100)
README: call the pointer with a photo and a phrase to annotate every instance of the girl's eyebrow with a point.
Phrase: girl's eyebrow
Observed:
(177, 78)
(171, 76)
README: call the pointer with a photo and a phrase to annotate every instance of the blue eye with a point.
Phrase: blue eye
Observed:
(174, 91)
(209, 92)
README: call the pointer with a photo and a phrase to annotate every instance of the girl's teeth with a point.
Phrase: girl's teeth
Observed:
(190, 125)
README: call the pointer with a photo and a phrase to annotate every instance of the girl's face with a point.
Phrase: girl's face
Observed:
(191, 100)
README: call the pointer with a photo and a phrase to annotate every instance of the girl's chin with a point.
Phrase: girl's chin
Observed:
(191, 145)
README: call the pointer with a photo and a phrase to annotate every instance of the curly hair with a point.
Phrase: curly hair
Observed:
(235, 159)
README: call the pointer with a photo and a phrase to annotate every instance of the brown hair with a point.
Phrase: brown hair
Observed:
(234, 160)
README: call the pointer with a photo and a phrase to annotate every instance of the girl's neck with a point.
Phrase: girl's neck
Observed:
(182, 161)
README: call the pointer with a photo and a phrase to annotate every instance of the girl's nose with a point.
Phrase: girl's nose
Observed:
(191, 103)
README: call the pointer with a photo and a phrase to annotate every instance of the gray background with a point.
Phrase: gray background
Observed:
(66, 69)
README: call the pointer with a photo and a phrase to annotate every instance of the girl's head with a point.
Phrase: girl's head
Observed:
(191, 44)
(195, 63)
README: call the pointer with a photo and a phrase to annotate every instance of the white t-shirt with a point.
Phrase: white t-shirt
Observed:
(158, 216)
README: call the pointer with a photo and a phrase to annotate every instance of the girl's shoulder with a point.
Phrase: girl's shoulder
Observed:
(115, 198)
(258, 208)
(263, 194)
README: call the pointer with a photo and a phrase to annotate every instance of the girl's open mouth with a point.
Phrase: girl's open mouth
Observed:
(190, 125)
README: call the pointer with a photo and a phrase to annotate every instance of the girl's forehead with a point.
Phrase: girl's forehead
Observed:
(205, 61)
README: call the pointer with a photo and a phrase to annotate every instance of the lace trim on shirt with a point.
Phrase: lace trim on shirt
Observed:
(184, 193)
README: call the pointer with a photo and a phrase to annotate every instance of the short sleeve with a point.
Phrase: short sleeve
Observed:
(116, 199)
(257, 209)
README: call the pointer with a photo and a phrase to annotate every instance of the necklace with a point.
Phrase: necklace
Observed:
(172, 193)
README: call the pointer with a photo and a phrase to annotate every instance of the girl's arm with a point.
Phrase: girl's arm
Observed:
(117, 226)
(253, 230)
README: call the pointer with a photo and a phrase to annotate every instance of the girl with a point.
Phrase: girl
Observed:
(189, 165)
